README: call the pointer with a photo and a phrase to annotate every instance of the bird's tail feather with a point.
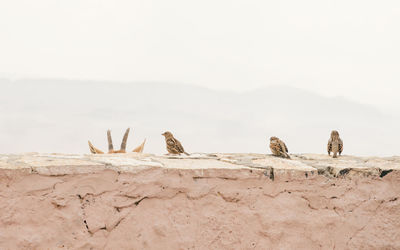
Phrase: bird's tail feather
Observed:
(110, 143)
(93, 149)
(140, 148)
(124, 140)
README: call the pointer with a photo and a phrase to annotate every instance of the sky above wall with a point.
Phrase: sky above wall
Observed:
(60, 116)
(344, 48)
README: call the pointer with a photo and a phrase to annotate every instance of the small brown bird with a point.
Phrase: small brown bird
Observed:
(173, 145)
(278, 147)
(335, 144)
(123, 144)
(111, 150)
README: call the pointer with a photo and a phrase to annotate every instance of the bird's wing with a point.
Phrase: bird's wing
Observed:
(179, 146)
(124, 140)
(281, 146)
(287, 151)
(171, 142)
(340, 146)
(329, 146)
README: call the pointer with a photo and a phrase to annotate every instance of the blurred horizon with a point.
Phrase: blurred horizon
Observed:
(386, 109)
(61, 115)
(333, 48)
(221, 75)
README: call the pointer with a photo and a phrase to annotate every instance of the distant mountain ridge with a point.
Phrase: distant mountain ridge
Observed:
(61, 115)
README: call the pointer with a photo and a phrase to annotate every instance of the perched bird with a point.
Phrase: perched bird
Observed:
(335, 144)
(123, 143)
(278, 147)
(111, 150)
(173, 145)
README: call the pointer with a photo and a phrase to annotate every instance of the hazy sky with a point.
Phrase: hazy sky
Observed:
(343, 47)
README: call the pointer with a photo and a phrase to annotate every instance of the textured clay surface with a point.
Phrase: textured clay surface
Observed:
(242, 203)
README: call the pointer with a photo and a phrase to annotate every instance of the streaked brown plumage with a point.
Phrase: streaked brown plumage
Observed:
(111, 150)
(278, 147)
(335, 144)
(173, 145)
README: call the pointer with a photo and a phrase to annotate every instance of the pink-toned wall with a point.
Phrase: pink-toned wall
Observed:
(159, 208)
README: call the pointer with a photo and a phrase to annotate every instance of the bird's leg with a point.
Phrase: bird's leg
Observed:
(124, 140)
(110, 144)
(335, 155)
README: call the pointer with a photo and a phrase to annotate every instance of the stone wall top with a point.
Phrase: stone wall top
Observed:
(62, 164)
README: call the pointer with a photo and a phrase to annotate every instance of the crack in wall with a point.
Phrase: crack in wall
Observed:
(365, 225)
(84, 214)
(385, 172)
(342, 206)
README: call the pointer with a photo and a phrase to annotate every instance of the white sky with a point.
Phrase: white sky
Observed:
(343, 47)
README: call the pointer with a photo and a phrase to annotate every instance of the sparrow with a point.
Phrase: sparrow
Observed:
(173, 145)
(278, 147)
(111, 150)
(123, 143)
(335, 144)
